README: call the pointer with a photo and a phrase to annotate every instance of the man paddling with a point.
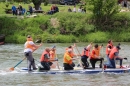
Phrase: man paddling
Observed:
(108, 50)
(85, 55)
(95, 56)
(114, 55)
(45, 60)
(67, 61)
(30, 47)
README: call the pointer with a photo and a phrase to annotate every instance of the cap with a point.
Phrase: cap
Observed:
(118, 47)
(28, 36)
(69, 50)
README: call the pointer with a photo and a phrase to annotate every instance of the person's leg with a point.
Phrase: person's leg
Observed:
(120, 61)
(85, 62)
(29, 58)
(112, 63)
(108, 61)
(92, 61)
(67, 67)
(45, 65)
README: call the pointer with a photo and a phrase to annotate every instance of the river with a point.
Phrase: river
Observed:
(11, 54)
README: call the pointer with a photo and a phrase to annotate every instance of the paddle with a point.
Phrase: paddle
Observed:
(12, 68)
(102, 59)
(57, 62)
(79, 59)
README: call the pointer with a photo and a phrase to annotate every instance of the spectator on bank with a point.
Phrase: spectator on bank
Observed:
(69, 9)
(80, 9)
(14, 10)
(30, 9)
(20, 9)
(74, 9)
(56, 9)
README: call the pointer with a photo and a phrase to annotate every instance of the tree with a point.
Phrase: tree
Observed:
(103, 10)
(37, 3)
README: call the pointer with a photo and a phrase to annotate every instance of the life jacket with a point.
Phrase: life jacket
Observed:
(52, 55)
(65, 60)
(72, 53)
(43, 58)
(108, 52)
(86, 52)
(96, 52)
(111, 55)
(29, 46)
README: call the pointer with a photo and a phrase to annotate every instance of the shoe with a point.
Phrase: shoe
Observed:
(29, 70)
(34, 68)
(39, 68)
(105, 66)
(122, 67)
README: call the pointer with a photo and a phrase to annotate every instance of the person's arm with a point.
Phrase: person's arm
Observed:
(36, 46)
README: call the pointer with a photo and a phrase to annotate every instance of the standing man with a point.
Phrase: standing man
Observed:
(30, 47)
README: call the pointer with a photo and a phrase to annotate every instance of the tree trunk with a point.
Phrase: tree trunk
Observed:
(37, 3)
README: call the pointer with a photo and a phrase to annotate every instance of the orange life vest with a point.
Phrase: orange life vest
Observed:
(52, 55)
(29, 46)
(111, 55)
(108, 52)
(43, 58)
(86, 52)
(95, 52)
(65, 58)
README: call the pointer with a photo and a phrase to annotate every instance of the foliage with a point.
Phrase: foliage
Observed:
(103, 10)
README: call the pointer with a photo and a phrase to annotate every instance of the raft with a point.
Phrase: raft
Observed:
(78, 71)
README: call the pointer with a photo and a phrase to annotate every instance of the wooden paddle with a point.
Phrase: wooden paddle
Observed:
(57, 63)
(79, 58)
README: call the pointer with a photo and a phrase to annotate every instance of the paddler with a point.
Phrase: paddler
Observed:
(67, 60)
(45, 60)
(114, 55)
(53, 57)
(85, 55)
(72, 53)
(30, 47)
(108, 50)
(95, 56)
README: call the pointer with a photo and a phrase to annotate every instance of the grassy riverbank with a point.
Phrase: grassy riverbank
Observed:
(64, 27)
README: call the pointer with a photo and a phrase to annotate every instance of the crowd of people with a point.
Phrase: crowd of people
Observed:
(49, 59)
(18, 10)
(81, 9)
(21, 11)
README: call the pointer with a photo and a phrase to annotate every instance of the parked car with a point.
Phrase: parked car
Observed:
(67, 2)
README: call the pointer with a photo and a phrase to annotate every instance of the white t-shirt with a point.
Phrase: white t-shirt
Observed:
(28, 49)
(74, 9)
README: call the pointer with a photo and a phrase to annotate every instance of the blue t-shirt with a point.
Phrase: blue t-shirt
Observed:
(13, 8)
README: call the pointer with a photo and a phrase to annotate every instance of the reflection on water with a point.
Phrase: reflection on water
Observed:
(11, 54)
